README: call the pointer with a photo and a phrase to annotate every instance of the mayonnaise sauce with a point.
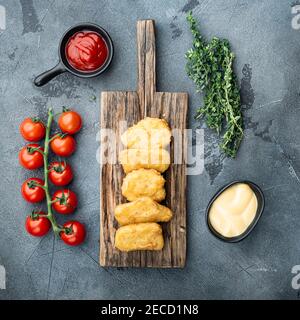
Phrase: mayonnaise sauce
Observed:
(234, 210)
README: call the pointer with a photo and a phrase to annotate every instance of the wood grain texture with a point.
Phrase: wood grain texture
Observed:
(131, 107)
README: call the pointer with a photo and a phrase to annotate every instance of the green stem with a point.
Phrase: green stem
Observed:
(56, 228)
(38, 150)
(55, 136)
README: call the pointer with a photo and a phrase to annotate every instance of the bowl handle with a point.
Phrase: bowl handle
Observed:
(46, 76)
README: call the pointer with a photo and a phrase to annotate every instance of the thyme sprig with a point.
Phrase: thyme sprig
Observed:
(210, 66)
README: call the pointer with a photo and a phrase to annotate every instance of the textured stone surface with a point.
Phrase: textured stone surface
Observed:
(267, 50)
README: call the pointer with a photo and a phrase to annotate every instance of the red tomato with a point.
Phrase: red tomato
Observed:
(70, 122)
(32, 129)
(60, 173)
(30, 159)
(33, 193)
(66, 201)
(73, 234)
(63, 146)
(37, 225)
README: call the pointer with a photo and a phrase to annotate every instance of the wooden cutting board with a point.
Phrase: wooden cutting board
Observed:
(131, 106)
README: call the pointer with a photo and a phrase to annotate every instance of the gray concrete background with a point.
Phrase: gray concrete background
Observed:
(268, 67)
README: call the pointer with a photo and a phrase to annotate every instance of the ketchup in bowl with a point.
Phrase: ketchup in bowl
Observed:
(86, 51)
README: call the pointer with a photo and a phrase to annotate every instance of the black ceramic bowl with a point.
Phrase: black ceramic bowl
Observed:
(63, 64)
(260, 208)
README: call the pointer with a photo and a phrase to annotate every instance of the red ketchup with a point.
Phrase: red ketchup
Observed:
(86, 51)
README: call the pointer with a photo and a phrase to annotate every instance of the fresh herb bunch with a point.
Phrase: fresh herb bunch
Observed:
(210, 66)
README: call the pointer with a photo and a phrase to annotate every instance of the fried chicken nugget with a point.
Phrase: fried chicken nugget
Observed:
(133, 159)
(141, 236)
(142, 210)
(148, 133)
(144, 183)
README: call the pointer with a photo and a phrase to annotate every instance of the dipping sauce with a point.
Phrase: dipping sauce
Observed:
(234, 210)
(86, 51)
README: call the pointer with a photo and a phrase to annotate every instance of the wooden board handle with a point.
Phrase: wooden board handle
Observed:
(146, 64)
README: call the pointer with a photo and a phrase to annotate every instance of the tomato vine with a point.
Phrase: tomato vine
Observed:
(35, 190)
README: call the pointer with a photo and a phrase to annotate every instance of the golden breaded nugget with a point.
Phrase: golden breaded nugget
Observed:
(144, 183)
(141, 236)
(142, 210)
(148, 133)
(133, 159)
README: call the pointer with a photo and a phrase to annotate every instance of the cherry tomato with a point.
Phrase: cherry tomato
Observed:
(32, 129)
(66, 201)
(73, 234)
(60, 173)
(63, 146)
(37, 225)
(33, 193)
(30, 159)
(70, 122)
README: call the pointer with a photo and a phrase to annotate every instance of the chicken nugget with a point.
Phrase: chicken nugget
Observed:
(142, 210)
(148, 133)
(141, 236)
(144, 183)
(133, 159)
